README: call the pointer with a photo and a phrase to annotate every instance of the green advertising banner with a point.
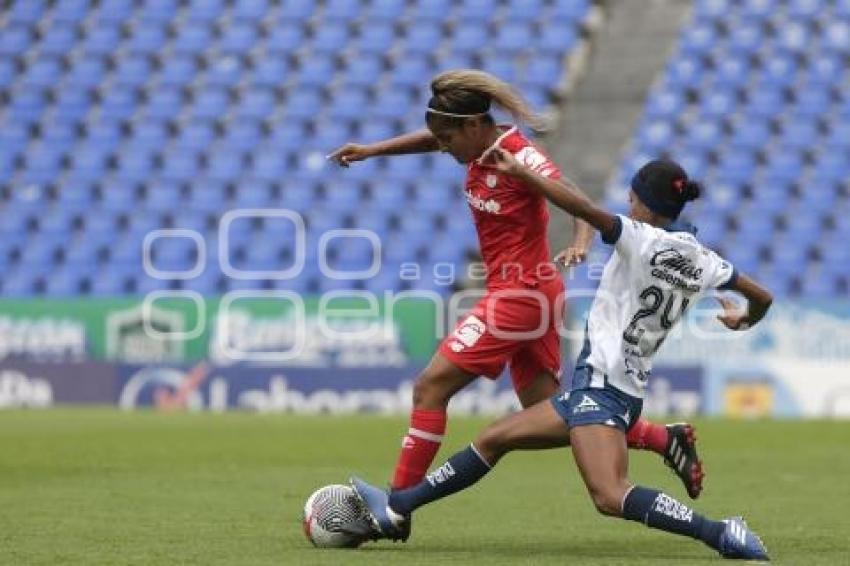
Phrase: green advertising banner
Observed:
(265, 327)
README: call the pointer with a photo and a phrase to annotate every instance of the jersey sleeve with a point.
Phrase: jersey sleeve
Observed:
(720, 274)
(538, 162)
(626, 236)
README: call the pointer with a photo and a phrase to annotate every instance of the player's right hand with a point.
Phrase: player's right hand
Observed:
(349, 153)
(733, 317)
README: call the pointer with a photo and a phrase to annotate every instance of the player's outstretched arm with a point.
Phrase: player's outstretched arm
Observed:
(758, 298)
(420, 141)
(565, 196)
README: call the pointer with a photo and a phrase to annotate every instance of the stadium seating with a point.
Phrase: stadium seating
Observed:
(755, 102)
(122, 116)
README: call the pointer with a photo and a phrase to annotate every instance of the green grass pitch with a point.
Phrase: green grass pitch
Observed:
(103, 487)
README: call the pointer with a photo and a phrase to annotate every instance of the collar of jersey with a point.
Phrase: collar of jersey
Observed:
(510, 129)
(681, 226)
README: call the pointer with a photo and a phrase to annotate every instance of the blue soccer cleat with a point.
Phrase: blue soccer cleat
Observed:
(388, 524)
(738, 541)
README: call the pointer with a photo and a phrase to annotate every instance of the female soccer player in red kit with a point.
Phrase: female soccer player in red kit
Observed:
(516, 322)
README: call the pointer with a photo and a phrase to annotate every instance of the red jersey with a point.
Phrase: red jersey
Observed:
(511, 219)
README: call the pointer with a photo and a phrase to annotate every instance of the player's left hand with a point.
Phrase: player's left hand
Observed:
(573, 255)
(732, 317)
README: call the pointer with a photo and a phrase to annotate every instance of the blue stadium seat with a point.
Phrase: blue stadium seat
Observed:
(250, 10)
(14, 41)
(255, 104)
(69, 11)
(343, 10)
(467, 37)
(158, 11)
(238, 38)
(285, 39)
(243, 135)
(385, 10)
(58, 40)
(432, 11)
(20, 283)
(132, 70)
(177, 71)
(527, 11)
(125, 116)
(101, 40)
(330, 38)
(315, 71)
(420, 38)
(391, 104)
(268, 164)
(204, 10)
(146, 40)
(119, 103)
(570, 9)
(224, 164)
(209, 104)
(191, 39)
(270, 72)
(513, 37)
(375, 38)
(362, 71)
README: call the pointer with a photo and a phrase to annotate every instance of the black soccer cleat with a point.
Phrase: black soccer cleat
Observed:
(681, 455)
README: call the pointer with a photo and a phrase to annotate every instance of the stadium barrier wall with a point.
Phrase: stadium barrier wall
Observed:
(794, 364)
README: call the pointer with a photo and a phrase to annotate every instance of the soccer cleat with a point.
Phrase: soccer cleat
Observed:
(387, 523)
(739, 542)
(681, 456)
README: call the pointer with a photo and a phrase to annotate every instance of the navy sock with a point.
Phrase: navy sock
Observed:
(660, 511)
(459, 472)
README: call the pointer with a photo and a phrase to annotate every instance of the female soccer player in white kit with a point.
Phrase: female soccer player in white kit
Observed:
(654, 274)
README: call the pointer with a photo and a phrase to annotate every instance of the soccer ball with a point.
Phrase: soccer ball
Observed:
(334, 517)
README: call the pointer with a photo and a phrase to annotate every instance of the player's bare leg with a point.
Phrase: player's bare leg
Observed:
(433, 389)
(676, 443)
(535, 428)
(602, 458)
(544, 385)
(538, 427)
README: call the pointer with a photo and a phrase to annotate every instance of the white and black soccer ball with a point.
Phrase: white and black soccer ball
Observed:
(334, 517)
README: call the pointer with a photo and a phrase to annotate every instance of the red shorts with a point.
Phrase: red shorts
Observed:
(519, 326)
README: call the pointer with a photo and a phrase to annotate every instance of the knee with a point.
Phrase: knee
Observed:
(608, 500)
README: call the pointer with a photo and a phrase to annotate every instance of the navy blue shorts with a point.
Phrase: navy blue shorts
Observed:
(590, 406)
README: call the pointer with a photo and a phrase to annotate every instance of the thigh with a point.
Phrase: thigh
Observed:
(541, 388)
(602, 458)
(536, 368)
(536, 428)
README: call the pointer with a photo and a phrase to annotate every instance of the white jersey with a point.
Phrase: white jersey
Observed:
(647, 285)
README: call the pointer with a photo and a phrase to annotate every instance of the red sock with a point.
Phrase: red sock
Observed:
(419, 447)
(648, 436)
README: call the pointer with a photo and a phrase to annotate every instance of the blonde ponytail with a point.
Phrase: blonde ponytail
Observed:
(459, 84)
